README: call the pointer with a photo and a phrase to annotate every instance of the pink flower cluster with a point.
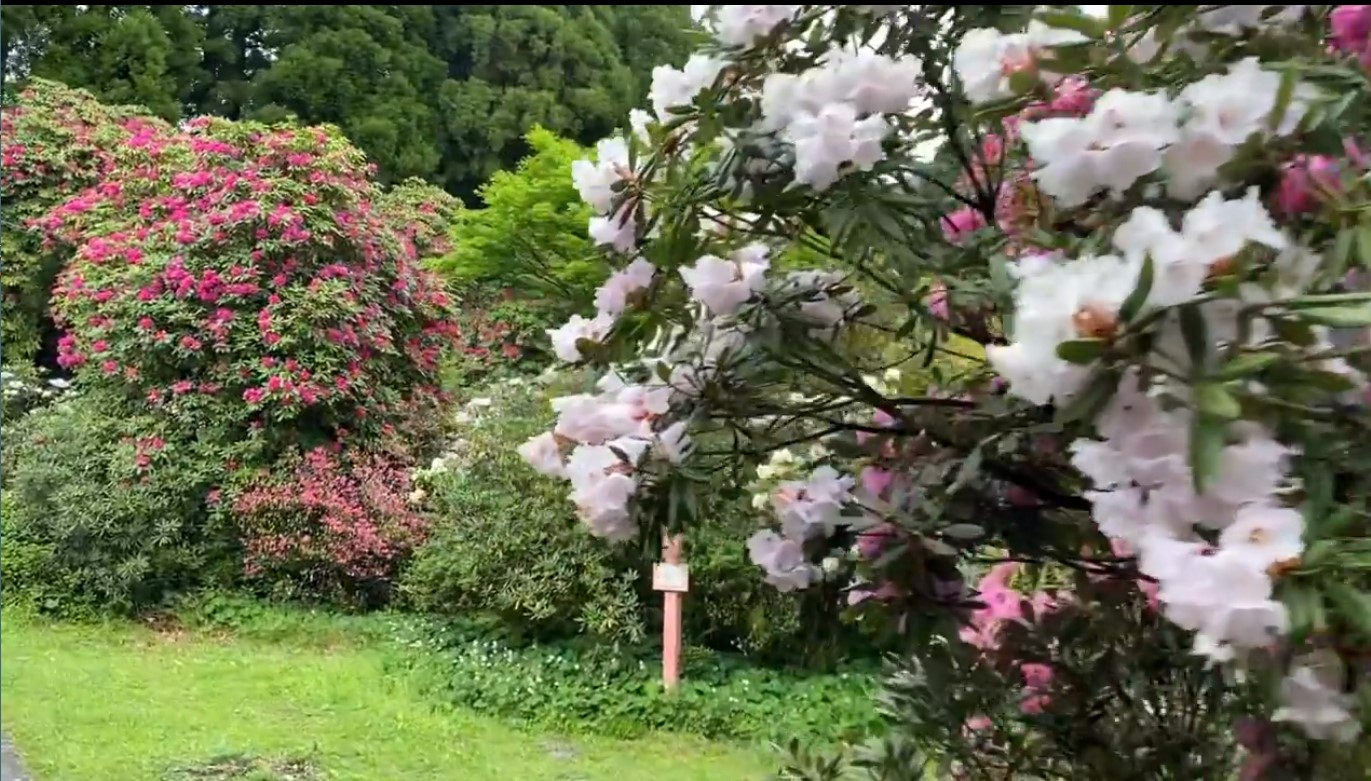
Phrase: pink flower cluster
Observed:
(1002, 605)
(1351, 31)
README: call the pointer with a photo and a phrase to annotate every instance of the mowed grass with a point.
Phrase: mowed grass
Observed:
(122, 702)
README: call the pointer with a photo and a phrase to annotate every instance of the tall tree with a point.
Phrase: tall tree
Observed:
(445, 92)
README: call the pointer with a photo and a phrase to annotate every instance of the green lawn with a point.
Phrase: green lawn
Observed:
(124, 703)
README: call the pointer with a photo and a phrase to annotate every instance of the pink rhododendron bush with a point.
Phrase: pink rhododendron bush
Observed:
(244, 276)
(251, 290)
(55, 143)
(1128, 536)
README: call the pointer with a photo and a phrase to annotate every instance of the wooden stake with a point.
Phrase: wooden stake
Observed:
(671, 577)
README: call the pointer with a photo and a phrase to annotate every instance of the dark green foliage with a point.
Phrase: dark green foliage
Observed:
(443, 92)
(616, 690)
(106, 511)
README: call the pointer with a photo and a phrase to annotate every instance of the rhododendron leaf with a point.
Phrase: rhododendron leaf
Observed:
(1118, 14)
(964, 531)
(1089, 26)
(1246, 364)
(1023, 82)
(1214, 399)
(1353, 605)
(1284, 93)
(1307, 613)
(1196, 334)
(1208, 437)
(1134, 303)
(1363, 246)
(1338, 317)
(1081, 351)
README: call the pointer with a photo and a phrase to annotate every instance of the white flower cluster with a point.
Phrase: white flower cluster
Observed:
(723, 286)
(673, 87)
(597, 182)
(1145, 496)
(612, 434)
(805, 509)
(834, 114)
(986, 59)
(1056, 301)
(1129, 135)
(611, 299)
(1223, 592)
(743, 25)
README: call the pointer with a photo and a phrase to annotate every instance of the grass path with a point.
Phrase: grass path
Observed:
(122, 702)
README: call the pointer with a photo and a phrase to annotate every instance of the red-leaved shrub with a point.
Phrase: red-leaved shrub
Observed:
(254, 279)
(329, 527)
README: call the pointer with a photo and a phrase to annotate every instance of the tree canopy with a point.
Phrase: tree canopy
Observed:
(446, 93)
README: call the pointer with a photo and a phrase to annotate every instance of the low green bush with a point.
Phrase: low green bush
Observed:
(106, 511)
(616, 690)
(504, 542)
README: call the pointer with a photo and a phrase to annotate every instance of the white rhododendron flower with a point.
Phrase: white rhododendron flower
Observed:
(1316, 706)
(672, 88)
(986, 58)
(565, 337)
(832, 138)
(1120, 141)
(595, 181)
(544, 455)
(723, 286)
(1057, 302)
(742, 25)
(613, 295)
(782, 559)
(1223, 110)
(1211, 234)
(812, 506)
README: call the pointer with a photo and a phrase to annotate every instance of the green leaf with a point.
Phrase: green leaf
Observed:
(1364, 245)
(1088, 26)
(1196, 334)
(1284, 93)
(1023, 82)
(1208, 437)
(1134, 303)
(1118, 14)
(964, 531)
(1214, 399)
(1306, 608)
(1337, 317)
(1353, 605)
(1081, 351)
(1246, 364)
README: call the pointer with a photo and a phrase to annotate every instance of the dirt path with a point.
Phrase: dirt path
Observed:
(11, 769)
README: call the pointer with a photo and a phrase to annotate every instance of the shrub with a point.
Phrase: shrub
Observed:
(504, 544)
(617, 691)
(108, 511)
(323, 525)
(56, 142)
(244, 277)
